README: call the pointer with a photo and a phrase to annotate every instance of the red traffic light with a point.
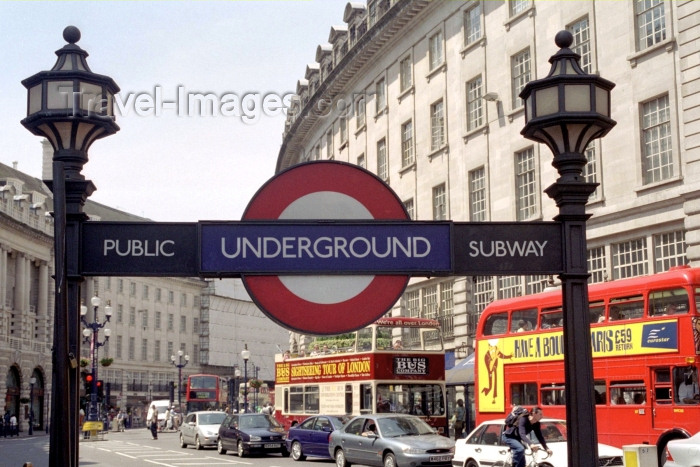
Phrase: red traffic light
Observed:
(99, 382)
(88, 378)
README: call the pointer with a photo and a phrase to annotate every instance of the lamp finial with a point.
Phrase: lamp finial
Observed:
(71, 34)
(564, 39)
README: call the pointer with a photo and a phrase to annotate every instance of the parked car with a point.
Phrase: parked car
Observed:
(389, 440)
(683, 452)
(249, 433)
(201, 428)
(484, 447)
(310, 437)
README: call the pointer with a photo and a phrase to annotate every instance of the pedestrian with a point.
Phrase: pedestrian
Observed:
(2, 427)
(460, 418)
(120, 420)
(13, 426)
(516, 436)
(152, 421)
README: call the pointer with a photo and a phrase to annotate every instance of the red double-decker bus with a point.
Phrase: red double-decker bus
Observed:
(394, 365)
(206, 392)
(645, 335)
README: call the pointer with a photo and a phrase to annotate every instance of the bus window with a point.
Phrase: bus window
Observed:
(627, 393)
(523, 320)
(626, 308)
(296, 399)
(348, 398)
(552, 318)
(383, 338)
(311, 399)
(686, 378)
(599, 392)
(496, 324)
(597, 312)
(416, 399)
(523, 394)
(286, 400)
(364, 339)
(668, 302)
(365, 399)
(553, 395)
(663, 390)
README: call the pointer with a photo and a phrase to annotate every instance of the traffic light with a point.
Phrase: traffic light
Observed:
(88, 384)
(100, 389)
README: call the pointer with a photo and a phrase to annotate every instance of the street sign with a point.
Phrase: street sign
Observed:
(325, 304)
(139, 249)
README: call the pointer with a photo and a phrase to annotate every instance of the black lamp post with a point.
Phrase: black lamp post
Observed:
(245, 354)
(180, 365)
(255, 389)
(236, 375)
(72, 107)
(91, 334)
(32, 382)
(566, 110)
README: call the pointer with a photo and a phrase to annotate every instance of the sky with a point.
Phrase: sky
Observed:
(170, 162)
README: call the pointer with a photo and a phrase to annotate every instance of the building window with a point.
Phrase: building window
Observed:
(329, 144)
(195, 325)
(183, 323)
(525, 184)
(171, 297)
(144, 318)
(158, 319)
(159, 293)
(195, 354)
(446, 309)
(475, 109)
(590, 170)
(520, 72)
(535, 284)
(410, 208)
(382, 164)
(407, 157)
(406, 78)
(132, 289)
(516, 7)
(582, 42)
(156, 352)
(509, 287)
(651, 22)
(656, 134)
(483, 293)
(132, 316)
(437, 125)
(119, 347)
(380, 96)
(171, 322)
(413, 304)
(360, 105)
(597, 265)
(477, 195)
(439, 203)
(430, 302)
(435, 55)
(669, 250)
(120, 285)
(120, 313)
(629, 259)
(144, 350)
(343, 129)
(144, 292)
(361, 161)
(170, 350)
(132, 348)
(472, 24)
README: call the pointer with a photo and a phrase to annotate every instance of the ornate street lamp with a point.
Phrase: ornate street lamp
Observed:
(180, 365)
(32, 382)
(567, 110)
(90, 333)
(245, 354)
(72, 107)
(236, 375)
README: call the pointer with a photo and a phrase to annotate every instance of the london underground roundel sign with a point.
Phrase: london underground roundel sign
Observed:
(330, 304)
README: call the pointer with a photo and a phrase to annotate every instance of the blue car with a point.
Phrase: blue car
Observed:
(310, 437)
(251, 433)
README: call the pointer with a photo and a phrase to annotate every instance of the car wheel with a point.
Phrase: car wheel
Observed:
(296, 451)
(389, 460)
(340, 460)
(241, 450)
(183, 444)
(197, 443)
(220, 447)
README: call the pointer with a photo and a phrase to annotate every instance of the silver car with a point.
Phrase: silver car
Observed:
(390, 440)
(201, 429)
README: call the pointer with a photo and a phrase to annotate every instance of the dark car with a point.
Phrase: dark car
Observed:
(388, 440)
(250, 433)
(310, 437)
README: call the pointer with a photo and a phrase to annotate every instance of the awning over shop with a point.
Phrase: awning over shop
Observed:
(462, 372)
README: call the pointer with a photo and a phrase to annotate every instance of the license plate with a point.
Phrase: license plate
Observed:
(440, 458)
(272, 446)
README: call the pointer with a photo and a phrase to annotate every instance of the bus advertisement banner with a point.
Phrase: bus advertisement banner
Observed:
(607, 341)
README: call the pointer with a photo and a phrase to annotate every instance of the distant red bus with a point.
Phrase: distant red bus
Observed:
(394, 365)
(206, 392)
(645, 335)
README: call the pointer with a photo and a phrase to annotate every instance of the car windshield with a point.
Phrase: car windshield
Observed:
(211, 418)
(553, 432)
(403, 426)
(259, 421)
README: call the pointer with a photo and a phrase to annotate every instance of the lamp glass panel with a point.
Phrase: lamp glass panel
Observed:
(575, 130)
(577, 98)
(83, 130)
(554, 133)
(90, 97)
(64, 132)
(34, 99)
(59, 95)
(528, 108)
(602, 97)
(590, 134)
(46, 131)
(110, 104)
(547, 101)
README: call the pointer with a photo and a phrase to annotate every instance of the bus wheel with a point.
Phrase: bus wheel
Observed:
(220, 447)
(296, 451)
(340, 459)
(389, 460)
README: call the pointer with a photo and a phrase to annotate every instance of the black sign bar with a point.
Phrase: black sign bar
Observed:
(177, 249)
(139, 249)
(505, 248)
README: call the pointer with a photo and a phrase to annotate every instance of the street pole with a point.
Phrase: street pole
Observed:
(91, 334)
(180, 366)
(566, 110)
(245, 353)
(32, 381)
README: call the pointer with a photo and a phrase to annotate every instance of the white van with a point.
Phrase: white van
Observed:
(161, 406)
